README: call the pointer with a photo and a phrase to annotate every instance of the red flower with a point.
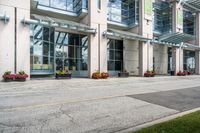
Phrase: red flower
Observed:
(19, 76)
(9, 76)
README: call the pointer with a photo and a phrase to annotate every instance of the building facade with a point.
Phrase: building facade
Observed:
(42, 37)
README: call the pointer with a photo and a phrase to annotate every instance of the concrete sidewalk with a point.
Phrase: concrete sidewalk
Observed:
(85, 105)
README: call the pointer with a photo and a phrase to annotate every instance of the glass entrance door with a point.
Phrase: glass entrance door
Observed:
(189, 61)
(115, 56)
(71, 53)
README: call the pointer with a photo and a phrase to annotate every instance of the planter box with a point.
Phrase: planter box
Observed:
(20, 80)
(123, 74)
(8, 80)
(63, 76)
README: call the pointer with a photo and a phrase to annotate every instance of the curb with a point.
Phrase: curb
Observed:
(161, 120)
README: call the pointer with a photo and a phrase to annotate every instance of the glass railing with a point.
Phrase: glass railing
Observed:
(68, 5)
(123, 12)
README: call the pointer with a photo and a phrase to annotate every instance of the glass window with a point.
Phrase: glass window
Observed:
(59, 64)
(46, 34)
(73, 65)
(45, 48)
(115, 55)
(111, 65)
(61, 4)
(98, 4)
(37, 49)
(125, 12)
(59, 50)
(44, 2)
(83, 64)
(38, 32)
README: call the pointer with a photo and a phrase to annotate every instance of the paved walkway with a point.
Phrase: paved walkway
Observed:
(86, 105)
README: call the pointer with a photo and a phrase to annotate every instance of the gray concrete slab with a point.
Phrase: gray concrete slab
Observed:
(105, 116)
(84, 105)
(182, 100)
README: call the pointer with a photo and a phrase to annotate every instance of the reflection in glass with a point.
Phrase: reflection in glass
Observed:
(189, 61)
(115, 55)
(60, 4)
(42, 51)
(68, 5)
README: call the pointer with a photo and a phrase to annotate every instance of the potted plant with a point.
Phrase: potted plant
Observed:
(8, 77)
(96, 75)
(181, 73)
(123, 74)
(21, 76)
(104, 75)
(149, 73)
(63, 75)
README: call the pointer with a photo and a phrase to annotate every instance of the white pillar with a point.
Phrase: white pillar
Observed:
(177, 26)
(14, 37)
(146, 30)
(97, 43)
(197, 53)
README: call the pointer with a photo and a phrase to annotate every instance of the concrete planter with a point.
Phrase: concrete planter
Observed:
(123, 74)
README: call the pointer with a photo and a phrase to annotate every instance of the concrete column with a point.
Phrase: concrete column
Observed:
(7, 44)
(97, 43)
(177, 26)
(146, 30)
(23, 40)
(131, 57)
(14, 38)
(197, 53)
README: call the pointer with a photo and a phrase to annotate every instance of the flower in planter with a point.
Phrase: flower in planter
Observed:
(21, 75)
(104, 75)
(96, 75)
(189, 73)
(149, 73)
(181, 73)
(8, 76)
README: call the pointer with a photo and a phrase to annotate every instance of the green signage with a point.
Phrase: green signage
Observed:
(148, 7)
(180, 17)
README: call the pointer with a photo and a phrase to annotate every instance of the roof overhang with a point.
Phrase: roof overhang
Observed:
(193, 5)
(4, 18)
(191, 46)
(53, 22)
(176, 38)
(111, 33)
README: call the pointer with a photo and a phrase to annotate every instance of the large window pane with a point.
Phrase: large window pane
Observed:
(59, 64)
(83, 64)
(118, 65)
(111, 65)
(46, 36)
(59, 50)
(45, 48)
(115, 55)
(37, 63)
(73, 65)
(37, 48)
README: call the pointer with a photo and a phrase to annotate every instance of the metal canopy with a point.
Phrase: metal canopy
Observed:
(131, 36)
(192, 4)
(124, 35)
(4, 18)
(176, 38)
(191, 46)
(53, 22)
